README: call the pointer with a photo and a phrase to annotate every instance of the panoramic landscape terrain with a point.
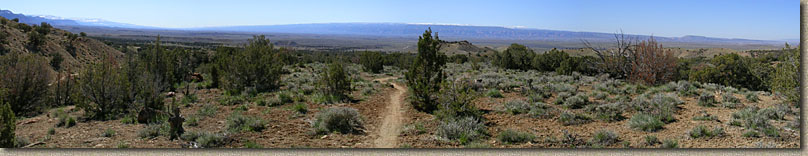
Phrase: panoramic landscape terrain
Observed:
(92, 83)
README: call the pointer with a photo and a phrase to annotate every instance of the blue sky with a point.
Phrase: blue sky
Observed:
(751, 19)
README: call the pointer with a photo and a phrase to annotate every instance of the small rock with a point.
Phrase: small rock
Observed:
(99, 146)
(324, 136)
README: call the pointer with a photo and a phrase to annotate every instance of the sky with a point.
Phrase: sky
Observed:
(749, 19)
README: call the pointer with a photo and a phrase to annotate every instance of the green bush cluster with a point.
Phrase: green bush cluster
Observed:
(517, 107)
(256, 67)
(707, 99)
(568, 118)
(607, 112)
(371, 61)
(645, 122)
(339, 119)
(577, 101)
(702, 131)
(456, 102)
(463, 130)
(205, 139)
(605, 138)
(335, 83)
(523, 58)
(24, 78)
(240, 123)
(8, 122)
(510, 136)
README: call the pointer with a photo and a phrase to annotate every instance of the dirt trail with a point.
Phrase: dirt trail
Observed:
(391, 126)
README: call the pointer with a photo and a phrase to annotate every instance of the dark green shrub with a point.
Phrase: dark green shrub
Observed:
(206, 139)
(108, 133)
(567, 118)
(229, 100)
(43, 28)
(192, 120)
(284, 98)
(771, 132)
(510, 136)
(515, 57)
(207, 110)
(705, 117)
(155, 130)
(251, 144)
(561, 98)
(751, 134)
(300, 108)
(729, 70)
(645, 122)
(752, 97)
(129, 119)
(670, 143)
(335, 83)
(339, 119)
(36, 40)
(550, 60)
(425, 75)
(651, 140)
(56, 61)
(605, 138)
(371, 61)
(257, 66)
(456, 101)
(105, 90)
(570, 65)
(8, 122)
(702, 131)
(240, 123)
(494, 93)
(538, 97)
(24, 78)
(20, 142)
(785, 79)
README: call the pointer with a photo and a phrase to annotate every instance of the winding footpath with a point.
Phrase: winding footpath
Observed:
(391, 126)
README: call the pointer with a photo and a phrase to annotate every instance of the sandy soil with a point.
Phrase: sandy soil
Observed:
(392, 120)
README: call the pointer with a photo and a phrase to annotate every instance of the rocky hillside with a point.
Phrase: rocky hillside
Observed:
(462, 47)
(76, 50)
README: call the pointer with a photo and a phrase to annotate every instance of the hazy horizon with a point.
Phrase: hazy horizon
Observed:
(771, 20)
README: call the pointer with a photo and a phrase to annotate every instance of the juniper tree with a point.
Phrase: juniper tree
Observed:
(425, 75)
(7, 125)
(335, 82)
(25, 78)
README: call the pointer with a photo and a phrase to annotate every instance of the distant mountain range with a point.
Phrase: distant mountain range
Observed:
(489, 34)
(59, 21)
(463, 32)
